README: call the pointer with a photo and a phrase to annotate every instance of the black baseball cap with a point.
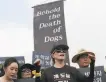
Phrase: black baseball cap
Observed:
(59, 47)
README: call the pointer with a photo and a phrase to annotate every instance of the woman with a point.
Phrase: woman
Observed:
(29, 71)
(25, 71)
(10, 69)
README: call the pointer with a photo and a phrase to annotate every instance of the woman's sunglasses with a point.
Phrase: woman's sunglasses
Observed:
(60, 51)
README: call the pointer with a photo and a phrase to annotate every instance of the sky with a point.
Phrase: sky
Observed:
(85, 22)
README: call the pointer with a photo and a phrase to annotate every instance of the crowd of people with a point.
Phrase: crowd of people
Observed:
(59, 72)
(11, 70)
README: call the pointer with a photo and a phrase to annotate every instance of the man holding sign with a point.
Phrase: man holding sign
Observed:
(60, 72)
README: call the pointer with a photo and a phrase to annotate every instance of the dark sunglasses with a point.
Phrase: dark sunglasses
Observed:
(26, 70)
(60, 51)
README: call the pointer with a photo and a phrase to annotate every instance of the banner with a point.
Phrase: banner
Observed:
(99, 75)
(20, 60)
(49, 26)
(45, 59)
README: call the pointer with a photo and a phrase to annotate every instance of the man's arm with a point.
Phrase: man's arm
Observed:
(90, 78)
(92, 64)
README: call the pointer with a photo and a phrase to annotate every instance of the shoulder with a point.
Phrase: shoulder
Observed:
(49, 68)
(71, 68)
(47, 71)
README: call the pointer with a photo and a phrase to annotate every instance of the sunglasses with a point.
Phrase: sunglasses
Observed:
(60, 51)
(26, 70)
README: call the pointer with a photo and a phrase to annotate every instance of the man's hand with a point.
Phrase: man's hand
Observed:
(92, 57)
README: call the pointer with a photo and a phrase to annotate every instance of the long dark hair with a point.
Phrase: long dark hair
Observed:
(2, 72)
(7, 62)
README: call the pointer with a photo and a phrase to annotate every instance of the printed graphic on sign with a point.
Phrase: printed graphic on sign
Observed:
(45, 59)
(98, 73)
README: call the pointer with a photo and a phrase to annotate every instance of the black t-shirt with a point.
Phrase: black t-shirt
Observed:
(65, 74)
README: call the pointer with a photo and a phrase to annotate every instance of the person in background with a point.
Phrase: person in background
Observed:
(37, 71)
(60, 72)
(82, 58)
(10, 69)
(25, 71)
(30, 71)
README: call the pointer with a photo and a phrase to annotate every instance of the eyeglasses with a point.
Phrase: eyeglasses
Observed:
(26, 70)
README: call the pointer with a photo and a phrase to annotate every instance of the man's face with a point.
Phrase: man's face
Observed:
(59, 54)
(84, 61)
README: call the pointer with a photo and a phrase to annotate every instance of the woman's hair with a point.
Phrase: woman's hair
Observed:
(53, 60)
(9, 61)
(2, 72)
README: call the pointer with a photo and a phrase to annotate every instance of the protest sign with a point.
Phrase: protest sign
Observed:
(98, 73)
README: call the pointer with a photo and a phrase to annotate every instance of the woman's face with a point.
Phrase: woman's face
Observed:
(26, 73)
(84, 61)
(11, 70)
(59, 55)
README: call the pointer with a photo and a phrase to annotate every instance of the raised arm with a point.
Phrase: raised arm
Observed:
(90, 78)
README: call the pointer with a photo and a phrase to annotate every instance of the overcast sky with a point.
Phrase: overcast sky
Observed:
(85, 26)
